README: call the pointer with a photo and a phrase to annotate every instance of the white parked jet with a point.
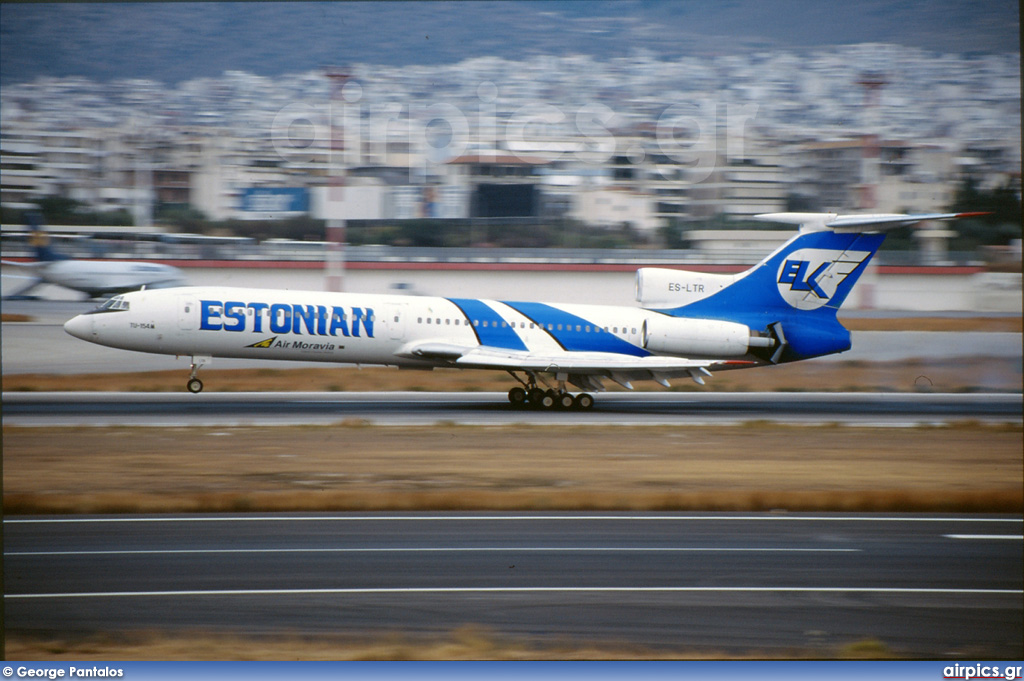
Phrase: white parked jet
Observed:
(96, 278)
(781, 310)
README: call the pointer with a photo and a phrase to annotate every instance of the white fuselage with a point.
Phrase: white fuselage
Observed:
(99, 277)
(371, 328)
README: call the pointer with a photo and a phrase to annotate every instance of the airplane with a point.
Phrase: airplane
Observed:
(95, 278)
(688, 324)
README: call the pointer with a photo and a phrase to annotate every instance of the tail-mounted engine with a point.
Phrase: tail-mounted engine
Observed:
(662, 288)
(701, 338)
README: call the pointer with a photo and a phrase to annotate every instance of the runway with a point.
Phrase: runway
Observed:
(415, 408)
(932, 586)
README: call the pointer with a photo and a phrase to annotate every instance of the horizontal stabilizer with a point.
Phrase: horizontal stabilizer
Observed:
(811, 222)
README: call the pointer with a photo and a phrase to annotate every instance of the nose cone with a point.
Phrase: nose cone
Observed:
(80, 326)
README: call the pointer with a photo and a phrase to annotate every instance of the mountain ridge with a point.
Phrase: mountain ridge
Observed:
(172, 42)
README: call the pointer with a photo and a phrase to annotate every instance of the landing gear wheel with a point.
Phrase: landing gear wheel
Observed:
(194, 385)
(583, 402)
(565, 401)
(517, 396)
(535, 396)
(547, 400)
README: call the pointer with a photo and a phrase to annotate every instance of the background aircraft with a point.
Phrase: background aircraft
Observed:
(689, 323)
(96, 278)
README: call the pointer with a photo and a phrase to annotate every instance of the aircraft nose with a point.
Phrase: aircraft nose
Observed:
(80, 326)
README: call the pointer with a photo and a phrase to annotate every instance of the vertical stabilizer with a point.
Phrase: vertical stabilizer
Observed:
(797, 290)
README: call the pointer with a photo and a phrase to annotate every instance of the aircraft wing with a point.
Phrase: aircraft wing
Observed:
(618, 367)
(26, 282)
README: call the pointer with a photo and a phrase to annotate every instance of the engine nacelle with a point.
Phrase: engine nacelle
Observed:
(659, 288)
(695, 338)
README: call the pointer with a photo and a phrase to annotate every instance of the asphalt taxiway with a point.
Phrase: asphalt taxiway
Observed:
(924, 585)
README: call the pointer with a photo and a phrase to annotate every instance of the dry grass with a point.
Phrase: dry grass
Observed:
(465, 643)
(988, 324)
(971, 468)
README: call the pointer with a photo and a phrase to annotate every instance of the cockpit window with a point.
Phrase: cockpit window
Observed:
(115, 304)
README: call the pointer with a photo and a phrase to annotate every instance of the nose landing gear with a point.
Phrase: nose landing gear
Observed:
(194, 385)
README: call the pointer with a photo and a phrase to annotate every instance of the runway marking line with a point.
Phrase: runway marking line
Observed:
(516, 590)
(1016, 537)
(478, 549)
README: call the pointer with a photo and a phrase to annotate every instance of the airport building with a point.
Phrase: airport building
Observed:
(640, 141)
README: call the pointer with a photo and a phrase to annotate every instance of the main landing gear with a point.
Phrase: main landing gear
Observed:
(533, 397)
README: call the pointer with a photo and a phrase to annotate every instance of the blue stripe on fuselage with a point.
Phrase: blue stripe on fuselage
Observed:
(571, 332)
(491, 329)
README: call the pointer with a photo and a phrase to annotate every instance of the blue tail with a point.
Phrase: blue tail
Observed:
(44, 252)
(40, 240)
(794, 293)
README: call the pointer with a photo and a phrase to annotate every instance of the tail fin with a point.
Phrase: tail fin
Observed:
(43, 250)
(40, 240)
(794, 293)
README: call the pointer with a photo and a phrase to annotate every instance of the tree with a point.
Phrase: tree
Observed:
(999, 227)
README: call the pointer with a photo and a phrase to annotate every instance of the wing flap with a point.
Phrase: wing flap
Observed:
(601, 363)
(578, 365)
